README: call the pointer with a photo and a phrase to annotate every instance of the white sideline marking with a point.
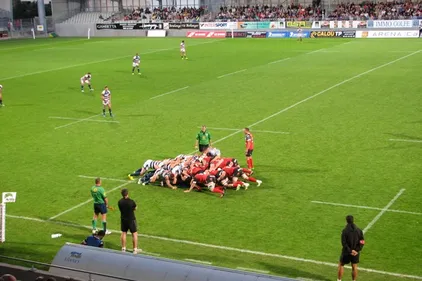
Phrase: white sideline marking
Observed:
(231, 73)
(277, 61)
(317, 94)
(86, 202)
(171, 92)
(404, 140)
(149, 253)
(94, 62)
(253, 270)
(198, 261)
(68, 118)
(316, 51)
(79, 121)
(335, 265)
(383, 210)
(109, 179)
(365, 207)
(257, 131)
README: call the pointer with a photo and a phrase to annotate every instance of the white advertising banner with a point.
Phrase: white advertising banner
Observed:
(344, 24)
(388, 34)
(390, 24)
(156, 33)
(217, 25)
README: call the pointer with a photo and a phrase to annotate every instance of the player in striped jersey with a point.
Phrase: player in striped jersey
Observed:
(135, 64)
(1, 95)
(148, 165)
(86, 79)
(106, 97)
(183, 50)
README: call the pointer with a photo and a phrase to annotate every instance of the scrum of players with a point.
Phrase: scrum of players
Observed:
(209, 171)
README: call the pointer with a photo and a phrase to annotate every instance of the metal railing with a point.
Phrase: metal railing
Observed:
(90, 273)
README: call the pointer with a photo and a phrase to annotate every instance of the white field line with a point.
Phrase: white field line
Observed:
(79, 119)
(257, 131)
(318, 94)
(277, 61)
(404, 140)
(383, 210)
(85, 202)
(109, 179)
(231, 73)
(365, 207)
(75, 122)
(95, 62)
(199, 261)
(316, 51)
(143, 252)
(171, 92)
(258, 253)
(253, 270)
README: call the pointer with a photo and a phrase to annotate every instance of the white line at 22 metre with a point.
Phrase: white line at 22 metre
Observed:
(82, 119)
(225, 248)
(231, 73)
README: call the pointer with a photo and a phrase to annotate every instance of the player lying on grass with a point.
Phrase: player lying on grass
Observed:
(210, 170)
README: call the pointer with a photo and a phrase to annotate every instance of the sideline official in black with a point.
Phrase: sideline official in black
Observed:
(127, 209)
(352, 241)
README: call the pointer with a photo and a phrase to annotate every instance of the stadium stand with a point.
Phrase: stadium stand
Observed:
(167, 14)
(91, 17)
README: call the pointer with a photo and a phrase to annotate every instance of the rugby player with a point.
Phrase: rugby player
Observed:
(100, 206)
(205, 180)
(299, 34)
(1, 95)
(148, 165)
(135, 64)
(86, 79)
(183, 50)
(249, 147)
(106, 98)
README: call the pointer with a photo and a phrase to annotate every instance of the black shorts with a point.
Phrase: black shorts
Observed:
(128, 225)
(347, 258)
(203, 147)
(249, 153)
(100, 209)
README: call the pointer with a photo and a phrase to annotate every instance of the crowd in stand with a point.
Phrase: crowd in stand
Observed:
(166, 14)
(377, 11)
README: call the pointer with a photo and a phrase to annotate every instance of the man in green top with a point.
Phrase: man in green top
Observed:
(203, 139)
(100, 205)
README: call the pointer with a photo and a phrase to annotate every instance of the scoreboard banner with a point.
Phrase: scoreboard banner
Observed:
(129, 26)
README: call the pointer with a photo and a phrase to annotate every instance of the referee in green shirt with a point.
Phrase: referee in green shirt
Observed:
(203, 139)
(100, 206)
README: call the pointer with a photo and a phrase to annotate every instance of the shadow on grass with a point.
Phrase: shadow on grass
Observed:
(86, 112)
(296, 273)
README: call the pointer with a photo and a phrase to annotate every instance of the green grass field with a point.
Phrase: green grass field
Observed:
(352, 110)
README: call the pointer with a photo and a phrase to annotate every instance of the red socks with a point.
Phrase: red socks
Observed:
(252, 179)
(218, 190)
(249, 161)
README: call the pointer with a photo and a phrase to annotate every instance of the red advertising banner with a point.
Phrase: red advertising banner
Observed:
(206, 34)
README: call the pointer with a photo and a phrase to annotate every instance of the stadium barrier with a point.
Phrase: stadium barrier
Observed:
(273, 29)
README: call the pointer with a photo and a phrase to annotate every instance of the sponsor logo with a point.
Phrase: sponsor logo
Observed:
(4, 35)
(316, 34)
(9, 197)
(207, 34)
(217, 25)
(390, 24)
(365, 34)
(304, 24)
(388, 34)
(152, 26)
(284, 34)
(74, 257)
(256, 34)
(303, 34)
(236, 34)
(183, 25)
(108, 26)
(348, 34)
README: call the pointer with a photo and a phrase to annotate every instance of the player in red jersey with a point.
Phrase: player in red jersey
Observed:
(204, 179)
(249, 147)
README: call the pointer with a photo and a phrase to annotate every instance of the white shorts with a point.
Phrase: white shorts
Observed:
(84, 81)
(183, 50)
(135, 64)
(106, 102)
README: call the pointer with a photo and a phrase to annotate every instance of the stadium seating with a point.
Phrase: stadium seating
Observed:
(166, 14)
(90, 17)
(265, 12)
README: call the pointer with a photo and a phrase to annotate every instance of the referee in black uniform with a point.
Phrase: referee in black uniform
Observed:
(127, 209)
(352, 241)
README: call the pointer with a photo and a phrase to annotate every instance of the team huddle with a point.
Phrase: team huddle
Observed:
(209, 171)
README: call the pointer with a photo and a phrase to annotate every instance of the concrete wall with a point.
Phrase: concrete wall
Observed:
(64, 9)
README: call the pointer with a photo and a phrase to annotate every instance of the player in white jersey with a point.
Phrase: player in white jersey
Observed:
(183, 50)
(1, 95)
(86, 79)
(135, 64)
(106, 98)
(299, 34)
